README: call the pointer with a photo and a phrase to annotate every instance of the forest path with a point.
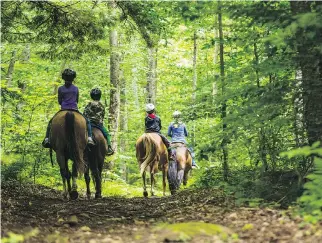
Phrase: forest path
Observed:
(194, 216)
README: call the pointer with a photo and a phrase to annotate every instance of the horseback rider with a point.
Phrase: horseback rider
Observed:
(95, 112)
(153, 124)
(178, 132)
(68, 95)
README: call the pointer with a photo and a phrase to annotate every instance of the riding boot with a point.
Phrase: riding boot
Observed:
(194, 165)
(109, 151)
(90, 141)
(170, 157)
(46, 143)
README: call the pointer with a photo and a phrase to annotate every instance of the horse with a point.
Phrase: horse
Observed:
(179, 167)
(68, 138)
(95, 156)
(152, 156)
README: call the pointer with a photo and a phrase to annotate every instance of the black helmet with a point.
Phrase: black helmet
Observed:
(96, 94)
(68, 75)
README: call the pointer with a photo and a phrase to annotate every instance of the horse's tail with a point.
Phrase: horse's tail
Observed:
(173, 176)
(150, 151)
(72, 143)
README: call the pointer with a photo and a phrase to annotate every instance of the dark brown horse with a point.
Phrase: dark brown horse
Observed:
(68, 140)
(152, 156)
(95, 156)
(179, 167)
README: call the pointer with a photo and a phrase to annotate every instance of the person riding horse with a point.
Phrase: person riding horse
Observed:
(153, 125)
(68, 96)
(178, 132)
(95, 112)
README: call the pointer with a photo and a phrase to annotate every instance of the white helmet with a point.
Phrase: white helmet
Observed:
(149, 107)
(176, 114)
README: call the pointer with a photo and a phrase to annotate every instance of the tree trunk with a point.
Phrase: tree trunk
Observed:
(58, 80)
(223, 106)
(123, 122)
(11, 68)
(151, 75)
(310, 62)
(114, 108)
(216, 35)
(194, 82)
(216, 51)
(135, 88)
(262, 142)
(26, 54)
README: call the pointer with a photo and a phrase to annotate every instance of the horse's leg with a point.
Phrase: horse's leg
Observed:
(185, 177)
(180, 177)
(145, 193)
(152, 182)
(98, 186)
(164, 176)
(63, 172)
(86, 175)
(96, 176)
(73, 190)
(87, 180)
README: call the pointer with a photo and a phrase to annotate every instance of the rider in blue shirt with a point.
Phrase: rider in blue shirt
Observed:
(178, 133)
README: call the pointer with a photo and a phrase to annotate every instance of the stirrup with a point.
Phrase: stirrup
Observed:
(90, 141)
(195, 167)
(46, 143)
(109, 151)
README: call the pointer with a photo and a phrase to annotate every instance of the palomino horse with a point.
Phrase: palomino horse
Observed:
(179, 167)
(152, 155)
(95, 159)
(68, 140)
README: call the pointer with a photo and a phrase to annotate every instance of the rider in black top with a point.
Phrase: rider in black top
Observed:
(153, 124)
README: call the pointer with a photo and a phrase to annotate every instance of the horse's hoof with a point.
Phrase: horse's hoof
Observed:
(73, 195)
(145, 194)
(97, 196)
(173, 192)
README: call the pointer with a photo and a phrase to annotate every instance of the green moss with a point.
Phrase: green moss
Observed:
(186, 231)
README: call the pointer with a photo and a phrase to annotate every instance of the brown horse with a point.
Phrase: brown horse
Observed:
(68, 140)
(95, 156)
(179, 167)
(152, 155)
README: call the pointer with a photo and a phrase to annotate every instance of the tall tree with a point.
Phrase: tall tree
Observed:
(310, 62)
(224, 141)
(11, 68)
(114, 108)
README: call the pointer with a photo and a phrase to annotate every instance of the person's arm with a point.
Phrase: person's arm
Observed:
(60, 96)
(77, 97)
(160, 123)
(86, 110)
(185, 131)
(103, 113)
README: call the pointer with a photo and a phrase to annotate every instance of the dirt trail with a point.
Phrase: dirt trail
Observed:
(41, 215)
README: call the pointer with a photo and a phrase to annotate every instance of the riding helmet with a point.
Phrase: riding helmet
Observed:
(149, 108)
(176, 114)
(68, 75)
(96, 94)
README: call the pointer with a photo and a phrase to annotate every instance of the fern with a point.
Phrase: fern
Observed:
(311, 201)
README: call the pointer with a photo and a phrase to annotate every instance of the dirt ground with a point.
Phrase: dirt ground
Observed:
(39, 214)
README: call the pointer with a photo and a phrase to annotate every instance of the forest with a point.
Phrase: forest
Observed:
(247, 79)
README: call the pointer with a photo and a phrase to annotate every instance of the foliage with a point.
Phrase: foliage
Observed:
(266, 87)
(311, 200)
